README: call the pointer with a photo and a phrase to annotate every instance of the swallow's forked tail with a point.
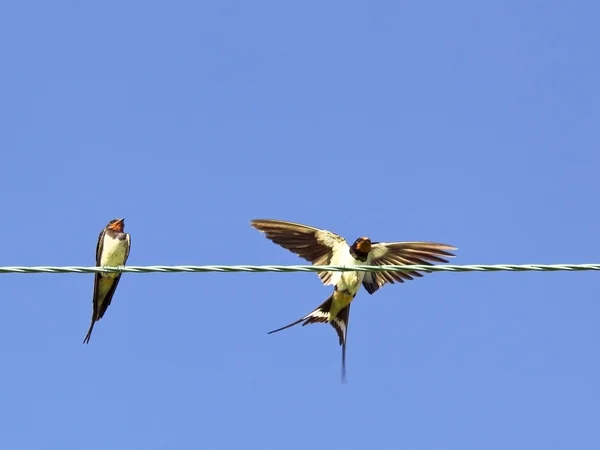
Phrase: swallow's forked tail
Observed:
(318, 315)
(321, 315)
(89, 333)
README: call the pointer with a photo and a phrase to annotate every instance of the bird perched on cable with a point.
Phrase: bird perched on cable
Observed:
(322, 247)
(112, 250)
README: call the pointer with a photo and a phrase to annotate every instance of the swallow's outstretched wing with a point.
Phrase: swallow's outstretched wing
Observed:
(402, 253)
(320, 247)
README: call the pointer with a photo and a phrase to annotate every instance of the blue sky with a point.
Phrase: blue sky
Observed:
(470, 123)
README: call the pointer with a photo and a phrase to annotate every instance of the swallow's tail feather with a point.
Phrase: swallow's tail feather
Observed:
(318, 315)
(89, 333)
(340, 324)
(321, 315)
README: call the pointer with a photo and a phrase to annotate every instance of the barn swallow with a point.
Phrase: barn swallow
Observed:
(322, 247)
(112, 250)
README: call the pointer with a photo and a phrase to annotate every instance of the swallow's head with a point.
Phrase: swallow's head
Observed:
(117, 225)
(362, 245)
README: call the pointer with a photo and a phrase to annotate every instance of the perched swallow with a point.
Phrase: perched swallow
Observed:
(112, 251)
(322, 247)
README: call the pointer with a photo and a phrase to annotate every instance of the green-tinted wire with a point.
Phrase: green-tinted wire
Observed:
(306, 268)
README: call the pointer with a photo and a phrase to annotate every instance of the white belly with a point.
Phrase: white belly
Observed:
(113, 253)
(348, 281)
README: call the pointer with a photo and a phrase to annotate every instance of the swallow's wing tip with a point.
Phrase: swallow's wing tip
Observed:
(255, 223)
(445, 247)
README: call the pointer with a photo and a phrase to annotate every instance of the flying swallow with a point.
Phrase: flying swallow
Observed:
(112, 250)
(322, 247)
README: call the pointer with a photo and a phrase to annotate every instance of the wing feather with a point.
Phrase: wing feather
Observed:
(128, 248)
(99, 245)
(403, 253)
(313, 244)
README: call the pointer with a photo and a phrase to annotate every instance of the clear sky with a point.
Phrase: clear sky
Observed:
(470, 123)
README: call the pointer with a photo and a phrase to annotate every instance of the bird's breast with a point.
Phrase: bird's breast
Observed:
(350, 282)
(113, 252)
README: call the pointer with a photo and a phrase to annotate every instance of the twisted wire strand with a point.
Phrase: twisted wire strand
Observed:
(303, 268)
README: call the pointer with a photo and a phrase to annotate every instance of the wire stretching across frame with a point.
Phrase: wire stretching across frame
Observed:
(304, 268)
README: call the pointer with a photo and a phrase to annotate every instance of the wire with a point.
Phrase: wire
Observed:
(305, 268)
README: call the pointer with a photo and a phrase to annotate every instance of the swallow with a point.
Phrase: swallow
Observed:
(322, 247)
(112, 250)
